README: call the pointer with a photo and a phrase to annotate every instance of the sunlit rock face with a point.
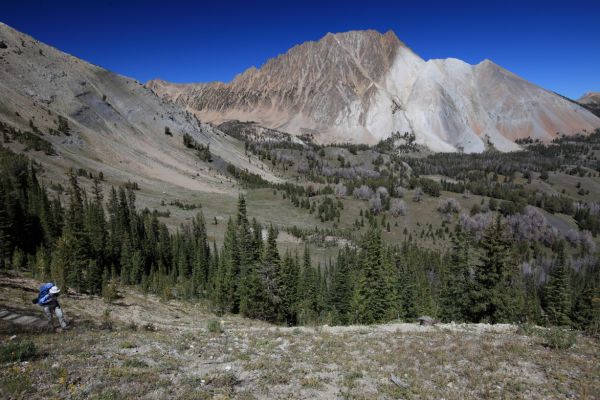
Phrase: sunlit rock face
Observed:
(362, 86)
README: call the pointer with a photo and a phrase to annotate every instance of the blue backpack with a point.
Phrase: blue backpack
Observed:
(44, 293)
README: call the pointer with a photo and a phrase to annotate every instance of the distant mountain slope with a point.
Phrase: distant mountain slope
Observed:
(361, 86)
(591, 101)
(590, 98)
(116, 125)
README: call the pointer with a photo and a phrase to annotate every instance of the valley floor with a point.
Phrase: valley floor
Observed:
(141, 347)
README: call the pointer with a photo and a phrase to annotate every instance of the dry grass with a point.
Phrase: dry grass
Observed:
(250, 360)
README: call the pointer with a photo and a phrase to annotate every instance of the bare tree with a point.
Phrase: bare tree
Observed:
(398, 207)
(418, 195)
(581, 238)
(476, 224)
(362, 193)
(449, 206)
(531, 225)
(382, 193)
(375, 204)
(340, 190)
(399, 191)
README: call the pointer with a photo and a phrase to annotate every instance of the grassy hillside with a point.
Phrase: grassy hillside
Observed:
(142, 347)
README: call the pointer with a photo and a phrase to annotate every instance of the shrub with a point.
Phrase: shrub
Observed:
(529, 330)
(17, 351)
(149, 327)
(63, 126)
(128, 345)
(135, 363)
(132, 326)
(110, 292)
(202, 151)
(214, 326)
(226, 381)
(106, 322)
(558, 338)
(429, 186)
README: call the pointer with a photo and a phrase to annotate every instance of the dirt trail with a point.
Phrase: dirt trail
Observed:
(26, 321)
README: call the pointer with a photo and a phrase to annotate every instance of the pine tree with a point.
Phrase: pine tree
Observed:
(341, 289)
(113, 248)
(201, 255)
(136, 267)
(214, 262)
(227, 296)
(307, 291)
(94, 277)
(95, 228)
(532, 309)
(407, 284)
(558, 297)
(454, 296)
(42, 264)
(180, 258)
(125, 261)
(6, 236)
(373, 300)
(256, 244)
(247, 257)
(586, 311)
(46, 217)
(62, 258)
(78, 238)
(288, 282)
(494, 298)
(256, 302)
(270, 274)
(321, 288)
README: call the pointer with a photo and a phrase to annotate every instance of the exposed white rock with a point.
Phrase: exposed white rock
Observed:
(362, 86)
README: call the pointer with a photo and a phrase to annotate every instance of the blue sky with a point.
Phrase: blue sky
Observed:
(555, 44)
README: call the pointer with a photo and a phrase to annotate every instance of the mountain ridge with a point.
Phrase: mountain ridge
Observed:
(116, 125)
(361, 86)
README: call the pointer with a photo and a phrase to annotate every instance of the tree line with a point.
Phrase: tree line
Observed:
(88, 243)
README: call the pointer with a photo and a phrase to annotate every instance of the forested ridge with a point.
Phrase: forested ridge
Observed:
(90, 241)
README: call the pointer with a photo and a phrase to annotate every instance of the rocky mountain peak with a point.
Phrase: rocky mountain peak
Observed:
(362, 86)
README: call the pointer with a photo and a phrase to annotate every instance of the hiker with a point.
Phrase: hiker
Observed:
(48, 298)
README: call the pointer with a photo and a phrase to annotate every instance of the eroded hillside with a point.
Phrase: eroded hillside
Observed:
(79, 115)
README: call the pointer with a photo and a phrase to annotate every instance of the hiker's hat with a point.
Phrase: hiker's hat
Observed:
(54, 290)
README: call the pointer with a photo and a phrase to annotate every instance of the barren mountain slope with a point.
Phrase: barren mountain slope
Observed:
(361, 86)
(591, 101)
(116, 125)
